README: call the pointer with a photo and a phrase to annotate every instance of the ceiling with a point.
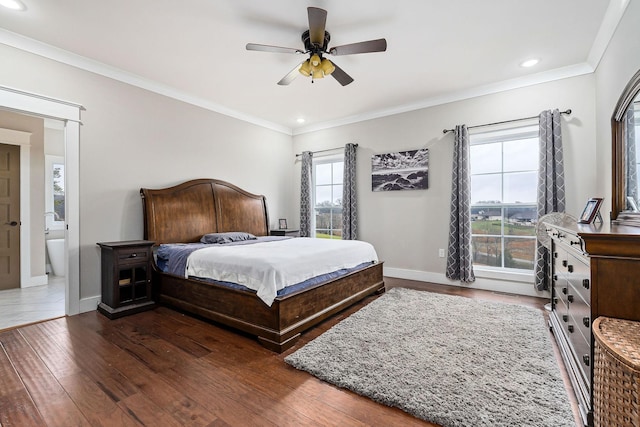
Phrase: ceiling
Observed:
(438, 51)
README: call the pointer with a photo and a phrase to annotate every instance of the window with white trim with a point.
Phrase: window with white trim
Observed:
(504, 173)
(327, 196)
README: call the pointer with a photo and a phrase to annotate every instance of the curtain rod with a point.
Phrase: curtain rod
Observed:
(328, 149)
(568, 111)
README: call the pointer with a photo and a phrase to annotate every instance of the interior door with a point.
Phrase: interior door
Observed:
(9, 216)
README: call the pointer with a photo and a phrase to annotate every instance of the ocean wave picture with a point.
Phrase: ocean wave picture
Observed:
(402, 170)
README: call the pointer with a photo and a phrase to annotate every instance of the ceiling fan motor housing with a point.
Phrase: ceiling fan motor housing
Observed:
(314, 48)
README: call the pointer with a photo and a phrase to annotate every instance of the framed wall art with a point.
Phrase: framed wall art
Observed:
(401, 170)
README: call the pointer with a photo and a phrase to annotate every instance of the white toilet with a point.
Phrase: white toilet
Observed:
(55, 248)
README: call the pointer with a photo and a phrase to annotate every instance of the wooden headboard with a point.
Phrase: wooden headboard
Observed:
(183, 213)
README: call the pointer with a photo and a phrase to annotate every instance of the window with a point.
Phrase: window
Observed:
(54, 192)
(504, 173)
(328, 176)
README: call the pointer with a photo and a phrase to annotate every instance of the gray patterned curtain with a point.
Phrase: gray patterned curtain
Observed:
(459, 259)
(631, 174)
(550, 184)
(349, 211)
(306, 194)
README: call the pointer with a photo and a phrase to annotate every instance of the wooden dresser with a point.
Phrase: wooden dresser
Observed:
(595, 272)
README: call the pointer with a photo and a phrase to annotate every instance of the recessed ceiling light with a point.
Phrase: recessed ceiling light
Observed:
(300, 120)
(13, 4)
(529, 62)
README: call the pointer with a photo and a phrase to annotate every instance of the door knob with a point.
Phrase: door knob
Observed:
(12, 223)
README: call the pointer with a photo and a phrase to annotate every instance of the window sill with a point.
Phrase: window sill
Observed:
(502, 274)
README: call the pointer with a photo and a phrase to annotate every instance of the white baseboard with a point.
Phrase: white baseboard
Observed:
(488, 284)
(35, 281)
(89, 304)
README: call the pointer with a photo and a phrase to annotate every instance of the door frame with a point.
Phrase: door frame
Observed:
(69, 113)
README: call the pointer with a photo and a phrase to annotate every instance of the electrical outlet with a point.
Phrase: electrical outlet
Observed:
(441, 253)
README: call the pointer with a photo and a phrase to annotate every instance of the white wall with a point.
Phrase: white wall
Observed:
(132, 138)
(619, 63)
(408, 227)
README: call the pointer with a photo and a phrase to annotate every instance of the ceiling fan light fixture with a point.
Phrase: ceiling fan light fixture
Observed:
(327, 67)
(305, 68)
(315, 60)
(317, 73)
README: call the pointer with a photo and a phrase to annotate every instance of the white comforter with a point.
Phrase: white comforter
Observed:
(267, 267)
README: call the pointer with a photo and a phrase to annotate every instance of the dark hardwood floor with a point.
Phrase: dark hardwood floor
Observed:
(163, 368)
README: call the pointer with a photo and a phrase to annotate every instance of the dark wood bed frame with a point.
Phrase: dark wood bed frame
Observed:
(185, 212)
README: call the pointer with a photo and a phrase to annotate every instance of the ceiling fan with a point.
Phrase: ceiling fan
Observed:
(316, 41)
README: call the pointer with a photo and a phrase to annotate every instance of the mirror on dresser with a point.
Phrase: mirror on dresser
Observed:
(625, 126)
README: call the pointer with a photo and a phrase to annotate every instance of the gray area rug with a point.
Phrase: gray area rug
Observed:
(449, 360)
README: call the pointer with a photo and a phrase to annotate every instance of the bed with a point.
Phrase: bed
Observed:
(185, 212)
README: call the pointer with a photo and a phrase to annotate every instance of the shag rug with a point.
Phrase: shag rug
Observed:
(449, 360)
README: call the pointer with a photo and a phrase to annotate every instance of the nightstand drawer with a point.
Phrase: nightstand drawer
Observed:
(127, 256)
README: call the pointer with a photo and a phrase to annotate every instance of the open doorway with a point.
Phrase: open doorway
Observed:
(33, 152)
(68, 116)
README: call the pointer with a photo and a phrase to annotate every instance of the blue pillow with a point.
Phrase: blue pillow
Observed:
(231, 236)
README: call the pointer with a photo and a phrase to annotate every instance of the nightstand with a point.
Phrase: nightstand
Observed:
(285, 232)
(126, 277)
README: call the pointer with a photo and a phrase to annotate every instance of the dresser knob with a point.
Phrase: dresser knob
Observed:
(570, 328)
(565, 317)
(555, 254)
(574, 243)
(570, 268)
(585, 283)
(564, 263)
(586, 321)
(586, 359)
(564, 291)
(570, 298)
(555, 277)
(133, 255)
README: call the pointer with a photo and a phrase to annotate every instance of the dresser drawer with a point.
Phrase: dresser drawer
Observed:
(563, 291)
(562, 309)
(578, 275)
(581, 317)
(581, 348)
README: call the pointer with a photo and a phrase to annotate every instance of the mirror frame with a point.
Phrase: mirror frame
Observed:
(618, 190)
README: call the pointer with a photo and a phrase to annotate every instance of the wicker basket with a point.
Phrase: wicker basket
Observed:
(616, 374)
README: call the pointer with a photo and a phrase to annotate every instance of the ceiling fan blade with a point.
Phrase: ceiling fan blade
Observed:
(342, 77)
(267, 48)
(317, 22)
(379, 45)
(291, 76)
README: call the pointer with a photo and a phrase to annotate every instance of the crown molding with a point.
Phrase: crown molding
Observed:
(612, 17)
(65, 57)
(488, 89)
